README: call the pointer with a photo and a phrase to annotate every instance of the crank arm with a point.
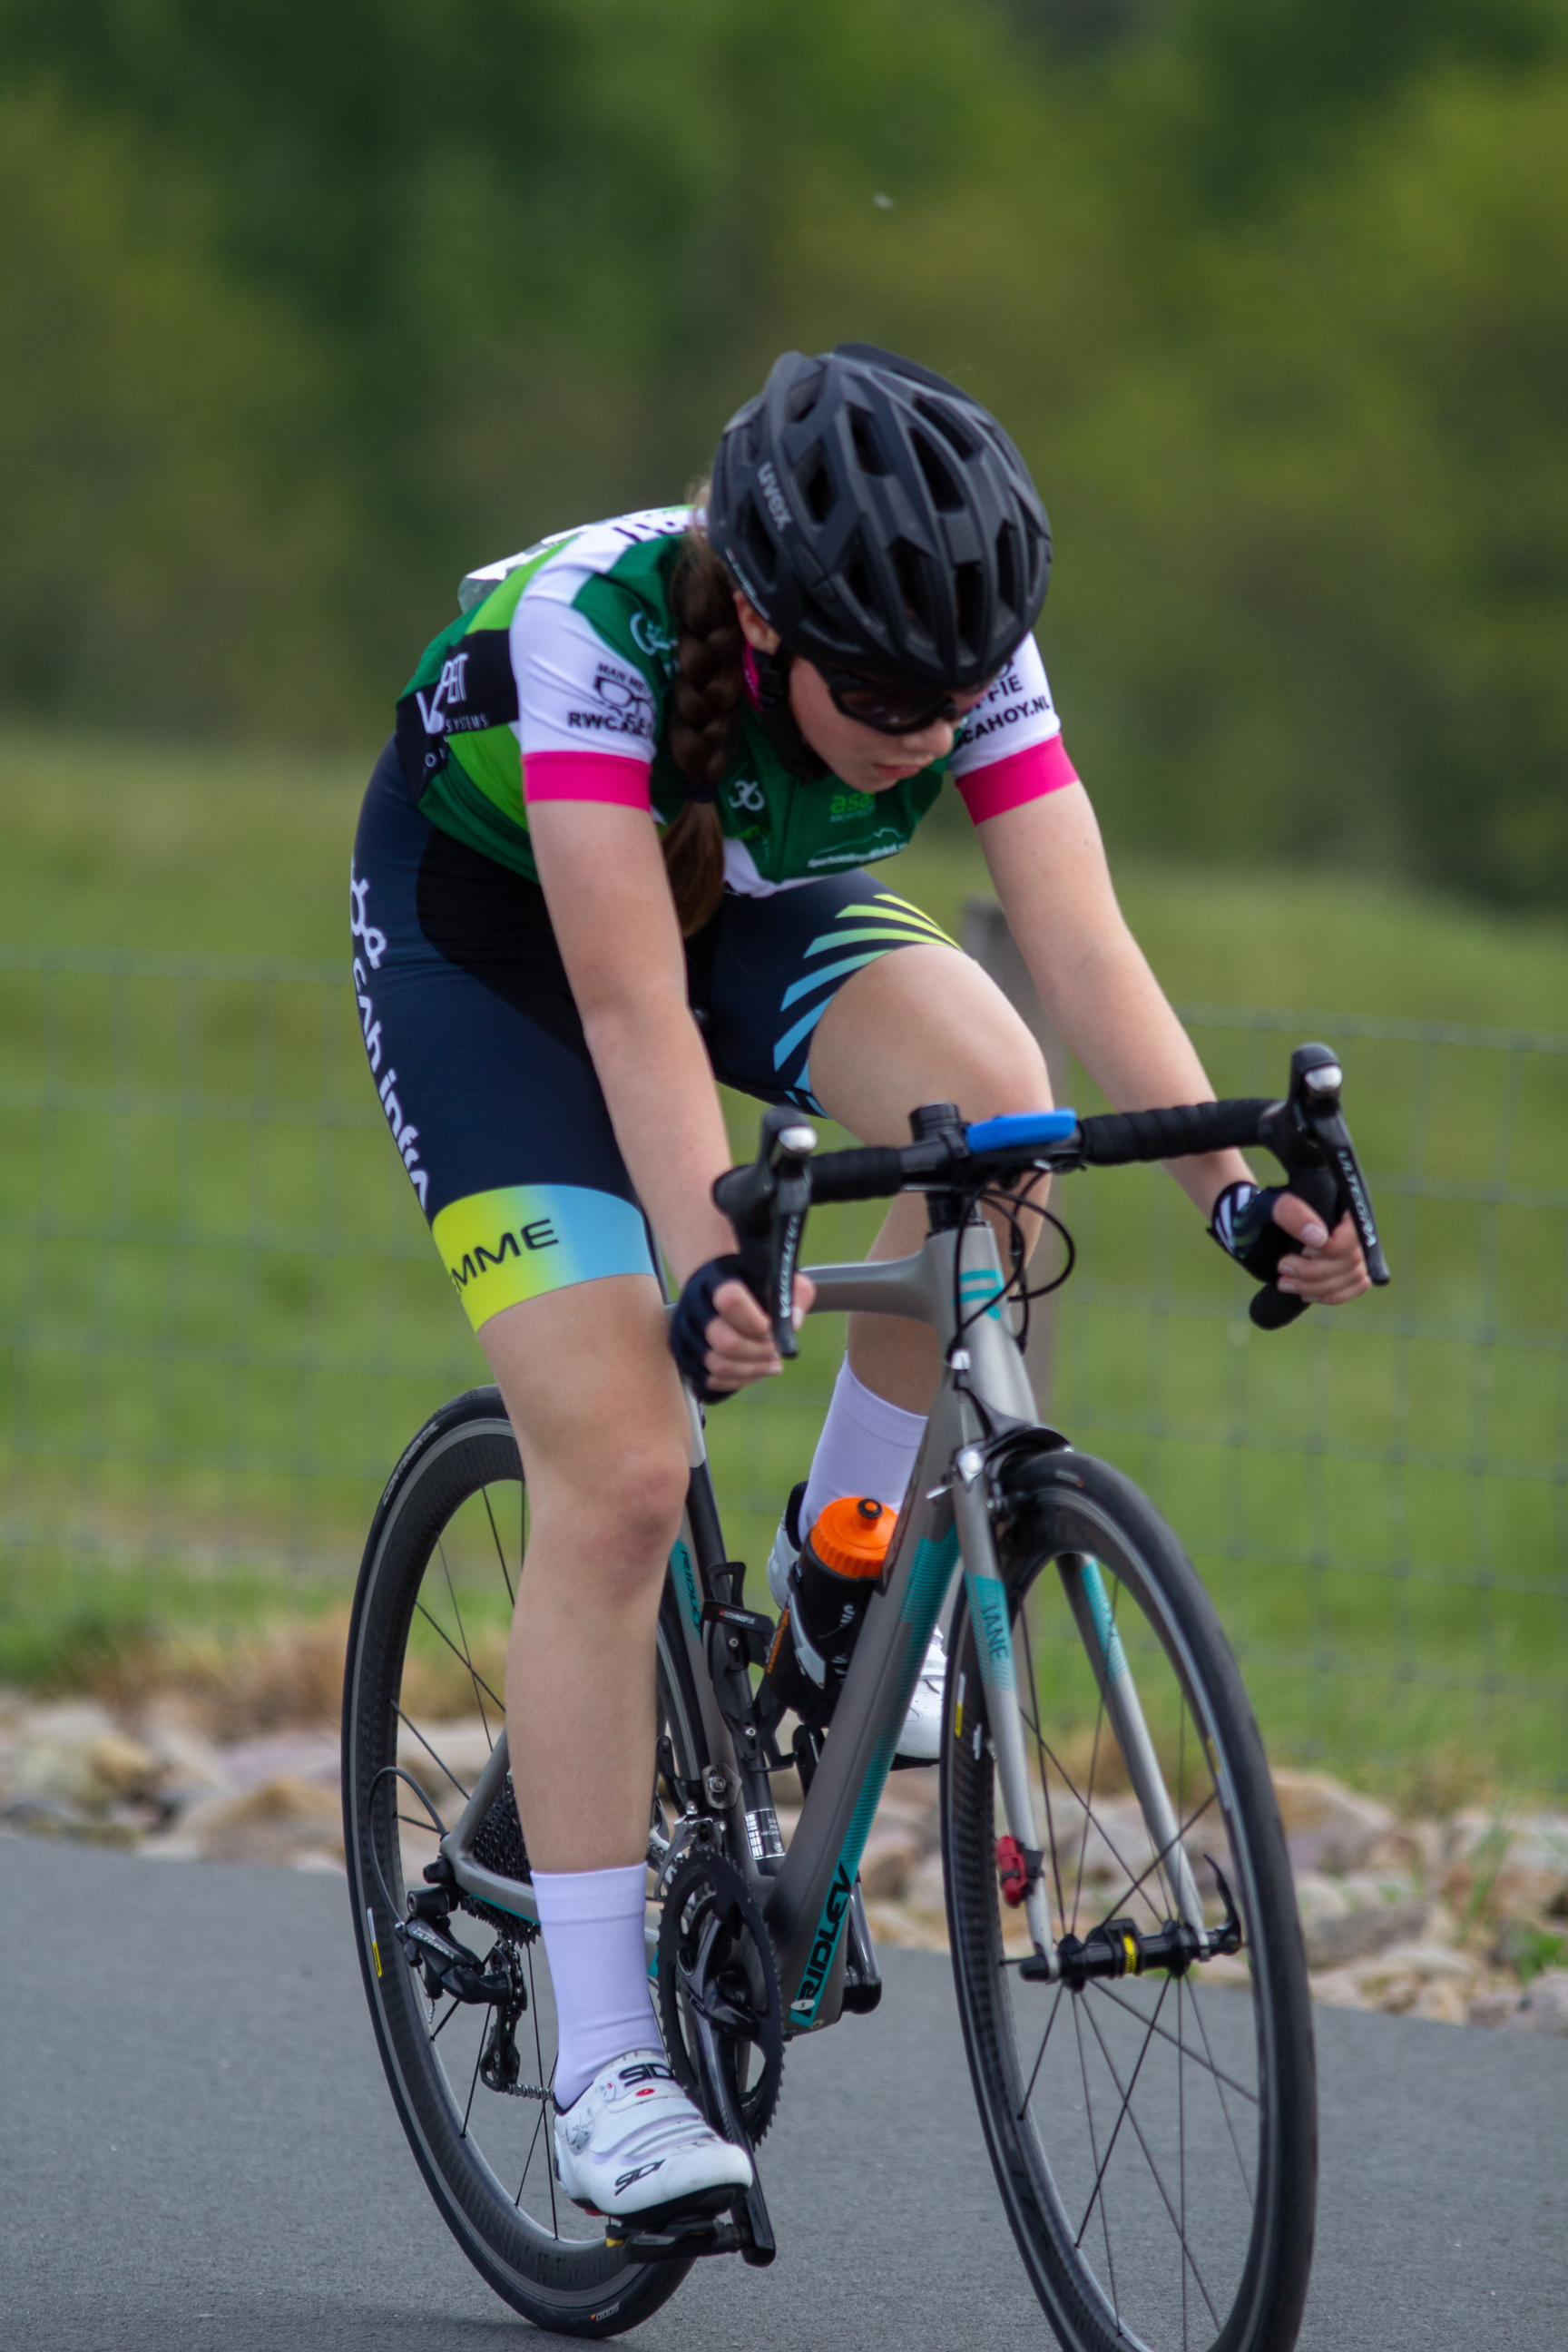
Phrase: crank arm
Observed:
(757, 2243)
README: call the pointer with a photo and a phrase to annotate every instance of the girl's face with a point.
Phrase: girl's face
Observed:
(859, 756)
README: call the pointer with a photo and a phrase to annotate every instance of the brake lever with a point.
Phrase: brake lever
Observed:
(766, 1204)
(1308, 1135)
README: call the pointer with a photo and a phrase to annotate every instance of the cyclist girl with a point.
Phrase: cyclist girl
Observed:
(617, 850)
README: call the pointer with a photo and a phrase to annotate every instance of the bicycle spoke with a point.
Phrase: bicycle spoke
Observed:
(473, 2085)
(1039, 2055)
(543, 2104)
(1165, 2034)
(476, 1677)
(1182, 2161)
(467, 1656)
(429, 1751)
(500, 1554)
(1147, 2157)
(1132, 1886)
(1122, 2111)
(1088, 1816)
(1094, 2156)
(1220, 2080)
(436, 2031)
(527, 2160)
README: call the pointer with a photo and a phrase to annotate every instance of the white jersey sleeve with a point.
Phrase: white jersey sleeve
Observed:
(1018, 712)
(1009, 748)
(574, 694)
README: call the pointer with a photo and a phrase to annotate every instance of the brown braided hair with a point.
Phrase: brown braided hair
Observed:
(704, 693)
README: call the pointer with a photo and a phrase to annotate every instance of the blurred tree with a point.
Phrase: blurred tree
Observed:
(305, 315)
(1323, 550)
(168, 506)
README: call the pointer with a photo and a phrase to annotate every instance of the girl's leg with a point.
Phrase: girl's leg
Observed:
(594, 1399)
(593, 1396)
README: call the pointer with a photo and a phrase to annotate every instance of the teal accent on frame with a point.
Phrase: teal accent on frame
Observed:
(978, 1284)
(685, 1577)
(1109, 1640)
(928, 1576)
(993, 1632)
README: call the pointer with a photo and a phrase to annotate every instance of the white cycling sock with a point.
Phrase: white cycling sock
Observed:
(867, 1446)
(592, 1922)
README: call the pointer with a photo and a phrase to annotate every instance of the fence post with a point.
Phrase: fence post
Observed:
(987, 938)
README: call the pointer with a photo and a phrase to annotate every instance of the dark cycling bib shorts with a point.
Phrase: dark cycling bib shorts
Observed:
(481, 1065)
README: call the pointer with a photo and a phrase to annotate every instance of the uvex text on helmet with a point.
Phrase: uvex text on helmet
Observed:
(880, 520)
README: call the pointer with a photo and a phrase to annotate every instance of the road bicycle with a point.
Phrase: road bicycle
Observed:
(1125, 1941)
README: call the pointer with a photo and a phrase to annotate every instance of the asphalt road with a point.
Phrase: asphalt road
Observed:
(198, 2154)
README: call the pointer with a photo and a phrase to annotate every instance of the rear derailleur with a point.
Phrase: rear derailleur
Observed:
(452, 1970)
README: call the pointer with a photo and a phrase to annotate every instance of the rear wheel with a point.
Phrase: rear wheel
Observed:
(423, 1694)
(1153, 2135)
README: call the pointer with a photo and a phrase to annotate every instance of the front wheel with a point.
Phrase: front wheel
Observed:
(423, 1705)
(1154, 2131)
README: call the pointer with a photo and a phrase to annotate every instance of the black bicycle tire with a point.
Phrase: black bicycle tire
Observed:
(584, 2289)
(1065, 1502)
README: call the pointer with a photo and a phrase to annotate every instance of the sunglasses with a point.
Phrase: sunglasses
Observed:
(886, 709)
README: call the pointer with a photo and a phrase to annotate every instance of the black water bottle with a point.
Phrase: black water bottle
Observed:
(829, 1587)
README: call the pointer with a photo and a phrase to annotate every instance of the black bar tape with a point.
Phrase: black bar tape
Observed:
(1115, 1138)
(870, 1173)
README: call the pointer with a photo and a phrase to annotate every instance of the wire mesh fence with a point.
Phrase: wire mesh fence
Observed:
(221, 1319)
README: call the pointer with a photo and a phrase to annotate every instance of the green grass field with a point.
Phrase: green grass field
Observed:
(222, 1317)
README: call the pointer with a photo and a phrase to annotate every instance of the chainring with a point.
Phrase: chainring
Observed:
(714, 1954)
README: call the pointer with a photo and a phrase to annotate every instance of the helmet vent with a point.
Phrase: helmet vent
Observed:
(804, 396)
(941, 417)
(968, 583)
(868, 449)
(759, 546)
(945, 494)
(854, 575)
(815, 484)
(910, 572)
(1007, 566)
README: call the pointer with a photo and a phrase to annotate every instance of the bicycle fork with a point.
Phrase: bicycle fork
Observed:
(1085, 1588)
(994, 1649)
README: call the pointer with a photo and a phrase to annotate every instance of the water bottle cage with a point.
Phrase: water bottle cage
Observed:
(811, 1661)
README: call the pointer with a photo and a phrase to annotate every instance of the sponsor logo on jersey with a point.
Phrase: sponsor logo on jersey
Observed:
(622, 704)
(539, 1235)
(745, 792)
(651, 640)
(885, 844)
(984, 720)
(450, 688)
(404, 1134)
(848, 803)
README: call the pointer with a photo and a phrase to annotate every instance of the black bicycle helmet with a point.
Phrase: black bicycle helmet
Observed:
(880, 520)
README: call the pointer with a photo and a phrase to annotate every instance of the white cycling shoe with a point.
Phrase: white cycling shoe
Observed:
(920, 1741)
(633, 2146)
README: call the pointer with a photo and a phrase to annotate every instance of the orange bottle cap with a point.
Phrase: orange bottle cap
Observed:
(852, 1535)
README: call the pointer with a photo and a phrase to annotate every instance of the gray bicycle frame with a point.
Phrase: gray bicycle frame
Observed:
(954, 1280)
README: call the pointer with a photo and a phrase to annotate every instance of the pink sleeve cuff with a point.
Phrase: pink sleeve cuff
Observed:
(587, 776)
(1026, 775)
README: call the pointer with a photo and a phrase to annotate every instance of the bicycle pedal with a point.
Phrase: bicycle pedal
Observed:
(678, 2244)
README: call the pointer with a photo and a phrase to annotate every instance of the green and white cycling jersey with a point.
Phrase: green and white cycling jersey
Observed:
(553, 683)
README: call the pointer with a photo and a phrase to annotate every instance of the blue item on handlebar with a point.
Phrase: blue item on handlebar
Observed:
(1023, 1130)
